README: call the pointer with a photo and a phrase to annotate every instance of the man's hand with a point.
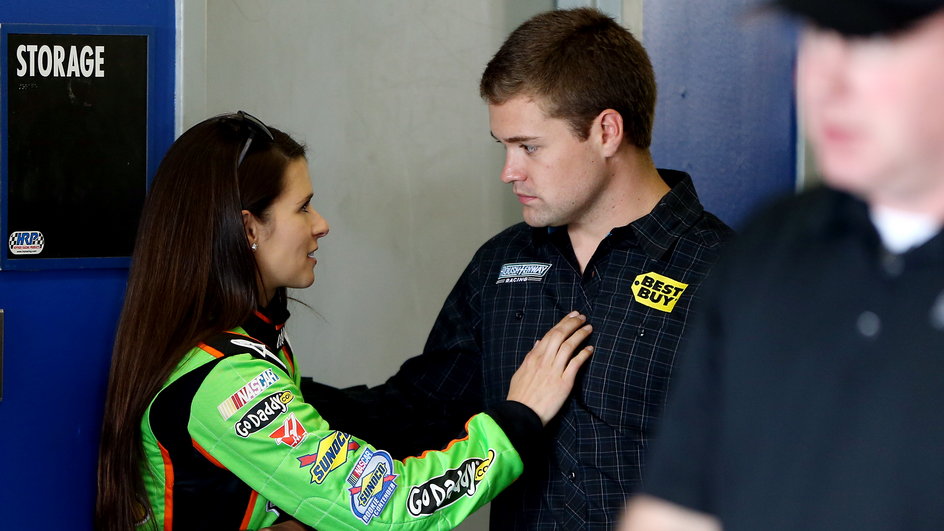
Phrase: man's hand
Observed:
(646, 513)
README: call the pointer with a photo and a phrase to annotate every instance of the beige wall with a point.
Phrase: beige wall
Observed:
(385, 94)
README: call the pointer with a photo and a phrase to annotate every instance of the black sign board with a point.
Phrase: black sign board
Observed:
(75, 144)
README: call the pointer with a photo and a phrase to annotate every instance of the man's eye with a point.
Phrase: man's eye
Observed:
(529, 149)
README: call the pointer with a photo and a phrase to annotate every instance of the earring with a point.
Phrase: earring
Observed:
(254, 246)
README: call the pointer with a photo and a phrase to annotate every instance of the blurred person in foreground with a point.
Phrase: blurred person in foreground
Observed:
(810, 397)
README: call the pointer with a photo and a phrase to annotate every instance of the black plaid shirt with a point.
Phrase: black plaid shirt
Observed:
(518, 285)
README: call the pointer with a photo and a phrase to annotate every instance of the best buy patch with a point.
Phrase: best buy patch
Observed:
(657, 291)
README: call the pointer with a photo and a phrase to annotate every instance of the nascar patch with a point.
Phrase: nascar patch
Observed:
(442, 491)
(657, 291)
(522, 272)
(372, 484)
(246, 393)
(332, 453)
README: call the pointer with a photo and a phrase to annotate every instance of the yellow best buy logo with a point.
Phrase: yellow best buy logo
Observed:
(657, 291)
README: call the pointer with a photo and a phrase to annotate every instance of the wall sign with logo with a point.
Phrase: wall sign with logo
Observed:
(75, 144)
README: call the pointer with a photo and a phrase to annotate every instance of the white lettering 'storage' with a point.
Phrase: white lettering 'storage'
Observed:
(57, 61)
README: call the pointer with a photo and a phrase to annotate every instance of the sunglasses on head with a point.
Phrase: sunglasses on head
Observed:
(253, 127)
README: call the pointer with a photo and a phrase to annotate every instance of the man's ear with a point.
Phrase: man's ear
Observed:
(251, 224)
(611, 131)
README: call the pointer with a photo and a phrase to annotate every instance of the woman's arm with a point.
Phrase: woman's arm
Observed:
(249, 417)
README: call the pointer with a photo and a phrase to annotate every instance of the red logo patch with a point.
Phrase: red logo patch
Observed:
(291, 432)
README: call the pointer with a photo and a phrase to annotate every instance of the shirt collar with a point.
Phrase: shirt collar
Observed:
(678, 210)
(657, 231)
(843, 214)
(265, 324)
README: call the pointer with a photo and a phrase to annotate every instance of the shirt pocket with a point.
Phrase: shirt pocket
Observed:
(628, 375)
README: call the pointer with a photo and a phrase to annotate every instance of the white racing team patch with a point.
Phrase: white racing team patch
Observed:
(26, 242)
(522, 272)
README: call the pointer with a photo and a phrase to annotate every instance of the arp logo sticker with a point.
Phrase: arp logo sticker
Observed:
(263, 413)
(26, 242)
(522, 272)
(372, 484)
(657, 291)
(246, 393)
(291, 432)
(332, 453)
(448, 488)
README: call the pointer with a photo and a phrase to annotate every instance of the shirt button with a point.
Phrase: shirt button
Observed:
(519, 315)
(869, 324)
(573, 476)
(893, 264)
(937, 312)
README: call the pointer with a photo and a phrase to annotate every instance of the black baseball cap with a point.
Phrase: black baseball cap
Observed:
(862, 17)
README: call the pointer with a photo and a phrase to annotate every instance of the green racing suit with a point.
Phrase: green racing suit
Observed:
(230, 443)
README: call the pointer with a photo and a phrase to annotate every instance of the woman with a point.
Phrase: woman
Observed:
(205, 427)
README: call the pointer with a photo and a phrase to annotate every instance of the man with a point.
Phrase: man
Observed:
(811, 394)
(571, 98)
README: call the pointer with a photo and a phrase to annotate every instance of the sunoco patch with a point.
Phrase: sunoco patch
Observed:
(522, 272)
(332, 453)
(657, 291)
(372, 484)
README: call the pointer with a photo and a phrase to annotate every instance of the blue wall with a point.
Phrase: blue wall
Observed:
(725, 111)
(59, 325)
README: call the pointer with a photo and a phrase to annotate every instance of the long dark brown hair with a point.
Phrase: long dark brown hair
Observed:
(193, 275)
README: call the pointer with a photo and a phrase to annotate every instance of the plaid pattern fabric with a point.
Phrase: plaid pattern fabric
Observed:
(518, 285)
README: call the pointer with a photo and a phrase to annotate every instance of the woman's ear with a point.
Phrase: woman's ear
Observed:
(251, 224)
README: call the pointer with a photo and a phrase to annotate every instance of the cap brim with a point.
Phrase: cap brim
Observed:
(857, 17)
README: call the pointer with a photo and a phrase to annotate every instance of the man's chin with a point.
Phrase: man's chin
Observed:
(539, 223)
(533, 217)
(532, 220)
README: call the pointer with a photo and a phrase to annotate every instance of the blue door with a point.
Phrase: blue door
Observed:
(59, 324)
